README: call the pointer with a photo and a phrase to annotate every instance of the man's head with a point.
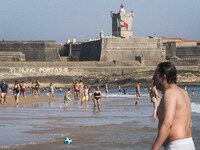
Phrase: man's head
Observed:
(3, 81)
(165, 72)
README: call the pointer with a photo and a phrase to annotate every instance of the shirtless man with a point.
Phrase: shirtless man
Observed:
(76, 88)
(81, 89)
(174, 111)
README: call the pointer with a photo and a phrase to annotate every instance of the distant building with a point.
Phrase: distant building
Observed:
(182, 52)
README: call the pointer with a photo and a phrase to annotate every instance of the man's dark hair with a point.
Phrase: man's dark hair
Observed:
(169, 70)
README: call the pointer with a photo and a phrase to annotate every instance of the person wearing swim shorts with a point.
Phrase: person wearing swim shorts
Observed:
(76, 88)
(97, 98)
(174, 111)
(23, 88)
(85, 96)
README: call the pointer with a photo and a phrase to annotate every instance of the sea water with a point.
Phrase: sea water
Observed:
(117, 108)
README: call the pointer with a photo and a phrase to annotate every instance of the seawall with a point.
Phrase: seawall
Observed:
(67, 72)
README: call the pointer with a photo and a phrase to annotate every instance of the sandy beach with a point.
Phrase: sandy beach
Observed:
(10, 101)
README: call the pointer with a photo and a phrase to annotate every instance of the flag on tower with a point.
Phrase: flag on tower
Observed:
(121, 24)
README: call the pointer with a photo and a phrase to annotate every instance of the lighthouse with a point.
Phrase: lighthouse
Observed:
(122, 23)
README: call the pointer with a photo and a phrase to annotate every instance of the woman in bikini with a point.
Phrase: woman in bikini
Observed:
(97, 98)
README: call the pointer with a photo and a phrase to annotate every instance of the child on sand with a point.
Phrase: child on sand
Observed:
(67, 99)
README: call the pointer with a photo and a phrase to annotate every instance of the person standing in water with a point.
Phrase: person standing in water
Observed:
(97, 99)
(51, 90)
(174, 111)
(85, 96)
(138, 95)
(76, 89)
(154, 99)
(106, 89)
(67, 99)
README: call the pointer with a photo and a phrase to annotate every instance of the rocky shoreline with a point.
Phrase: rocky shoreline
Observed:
(184, 78)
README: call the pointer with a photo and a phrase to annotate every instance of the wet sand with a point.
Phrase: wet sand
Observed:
(10, 101)
(105, 137)
(118, 126)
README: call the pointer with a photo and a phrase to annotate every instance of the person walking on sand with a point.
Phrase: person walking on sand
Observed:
(97, 99)
(16, 92)
(23, 89)
(33, 88)
(174, 111)
(4, 91)
(138, 95)
(67, 99)
(37, 89)
(154, 99)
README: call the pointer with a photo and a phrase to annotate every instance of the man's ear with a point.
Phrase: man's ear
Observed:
(164, 78)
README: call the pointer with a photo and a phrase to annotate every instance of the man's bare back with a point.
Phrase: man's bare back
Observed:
(179, 103)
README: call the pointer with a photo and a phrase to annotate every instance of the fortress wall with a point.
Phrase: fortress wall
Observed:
(58, 63)
(185, 61)
(185, 52)
(128, 49)
(33, 50)
(48, 69)
(21, 45)
(128, 43)
(186, 44)
(91, 51)
(15, 70)
(11, 56)
(122, 55)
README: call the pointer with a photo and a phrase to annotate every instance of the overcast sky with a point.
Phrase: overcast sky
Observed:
(83, 19)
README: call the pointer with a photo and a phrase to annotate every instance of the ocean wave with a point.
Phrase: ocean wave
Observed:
(16, 145)
(195, 107)
(123, 95)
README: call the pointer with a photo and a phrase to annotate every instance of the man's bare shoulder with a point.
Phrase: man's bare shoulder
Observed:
(175, 94)
(171, 94)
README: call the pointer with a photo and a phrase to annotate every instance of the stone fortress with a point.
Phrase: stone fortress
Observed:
(119, 54)
(122, 46)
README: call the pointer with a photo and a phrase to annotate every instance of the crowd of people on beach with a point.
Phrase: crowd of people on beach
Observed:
(18, 89)
(83, 93)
